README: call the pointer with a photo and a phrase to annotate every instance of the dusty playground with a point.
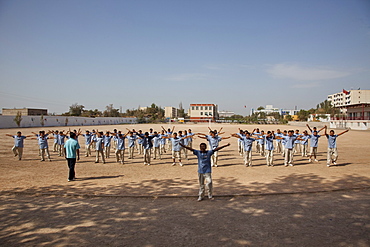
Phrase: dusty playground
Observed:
(135, 205)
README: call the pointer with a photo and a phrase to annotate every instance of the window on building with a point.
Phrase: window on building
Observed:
(206, 108)
(201, 113)
(201, 108)
(197, 108)
(210, 113)
(210, 108)
(192, 108)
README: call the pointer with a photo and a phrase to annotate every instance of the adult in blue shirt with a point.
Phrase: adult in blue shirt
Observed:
(332, 146)
(204, 168)
(72, 152)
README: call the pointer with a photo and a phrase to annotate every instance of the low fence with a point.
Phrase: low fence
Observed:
(50, 121)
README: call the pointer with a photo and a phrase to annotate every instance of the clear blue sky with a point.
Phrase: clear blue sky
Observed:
(232, 53)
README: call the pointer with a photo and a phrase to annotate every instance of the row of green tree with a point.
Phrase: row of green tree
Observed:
(155, 113)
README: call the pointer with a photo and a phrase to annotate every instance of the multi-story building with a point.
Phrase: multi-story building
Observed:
(203, 112)
(24, 112)
(170, 112)
(270, 109)
(350, 97)
(354, 106)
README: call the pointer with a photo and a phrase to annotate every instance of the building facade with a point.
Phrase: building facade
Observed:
(203, 112)
(354, 106)
(351, 97)
(170, 112)
(223, 114)
(24, 112)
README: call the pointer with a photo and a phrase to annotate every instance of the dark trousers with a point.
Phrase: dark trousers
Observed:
(71, 164)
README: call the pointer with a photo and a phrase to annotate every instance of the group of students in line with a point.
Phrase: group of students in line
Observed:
(287, 143)
(153, 143)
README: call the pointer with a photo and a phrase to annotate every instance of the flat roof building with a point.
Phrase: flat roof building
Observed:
(170, 112)
(24, 112)
(350, 97)
(203, 112)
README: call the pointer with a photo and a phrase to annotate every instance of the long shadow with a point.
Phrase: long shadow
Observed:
(101, 177)
(321, 219)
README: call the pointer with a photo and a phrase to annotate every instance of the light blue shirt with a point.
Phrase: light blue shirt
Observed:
(56, 137)
(190, 139)
(269, 142)
(88, 138)
(99, 141)
(289, 141)
(131, 140)
(262, 141)
(147, 142)
(297, 135)
(42, 141)
(121, 143)
(204, 161)
(18, 141)
(314, 140)
(61, 139)
(107, 140)
(175, 144)
(213, 141)
(157, 141)
(248, 143)
(140, 141)
(71, 147)
(305, 138)
(278, 135)
(163, 140)
(332, 141)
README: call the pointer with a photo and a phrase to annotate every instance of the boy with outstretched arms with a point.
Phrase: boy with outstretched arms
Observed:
(99, 146)
(332, 146)
(247, 145)
(213, 140)
(204, 168)
(314, 141)
(18, 144)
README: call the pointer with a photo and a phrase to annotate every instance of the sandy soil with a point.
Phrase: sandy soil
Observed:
(103, 207)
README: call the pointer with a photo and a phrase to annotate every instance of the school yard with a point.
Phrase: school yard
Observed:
(112, 204)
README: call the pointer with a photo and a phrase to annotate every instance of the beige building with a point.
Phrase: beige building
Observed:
(351, 97)
(203, 112)
(24, 112)
(170, 112)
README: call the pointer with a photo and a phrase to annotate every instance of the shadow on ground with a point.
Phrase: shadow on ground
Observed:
(323, 219)
(293, 183)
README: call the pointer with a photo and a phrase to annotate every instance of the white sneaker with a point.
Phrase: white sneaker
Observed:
(215, 165)
(148, 164)
(328, 165)
(173, 164)
(286, 165)
(199, 199)
(291, 164)
(316, 160)
(181, 164)
(334, 163)
(309, 160)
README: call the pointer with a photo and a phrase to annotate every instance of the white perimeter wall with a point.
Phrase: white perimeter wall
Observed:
(351, 124)
(49, 121)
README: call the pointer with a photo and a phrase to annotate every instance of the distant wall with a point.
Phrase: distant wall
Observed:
(336, 124)
(351, 124)
(49, 121)
(303, 124)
